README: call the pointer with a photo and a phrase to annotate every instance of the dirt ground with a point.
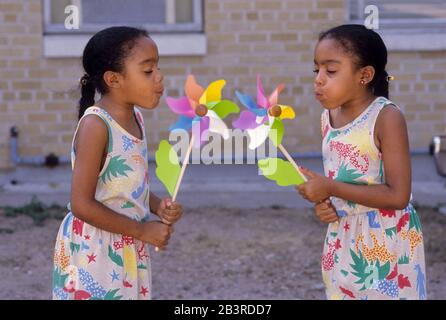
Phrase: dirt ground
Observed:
(215, 253)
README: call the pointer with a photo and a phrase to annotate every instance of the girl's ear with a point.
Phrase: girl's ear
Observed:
(367, 74)
(112, 79)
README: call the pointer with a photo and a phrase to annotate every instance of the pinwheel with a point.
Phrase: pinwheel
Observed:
(201, 110)
(262, 120)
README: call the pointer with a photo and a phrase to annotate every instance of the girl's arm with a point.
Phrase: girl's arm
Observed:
(394, 194)
(90, 144)
(154, 203)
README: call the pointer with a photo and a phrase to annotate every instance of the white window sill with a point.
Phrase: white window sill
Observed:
(172, 44)
(414, 41)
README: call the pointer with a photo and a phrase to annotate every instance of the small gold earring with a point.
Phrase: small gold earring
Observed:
(362, 81)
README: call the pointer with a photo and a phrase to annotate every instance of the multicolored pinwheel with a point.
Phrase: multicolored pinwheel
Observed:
(203, 108)
(263, 116)
(262, 120)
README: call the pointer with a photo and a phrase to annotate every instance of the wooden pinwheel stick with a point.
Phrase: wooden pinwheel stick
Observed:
(183, 168)
(291, 160)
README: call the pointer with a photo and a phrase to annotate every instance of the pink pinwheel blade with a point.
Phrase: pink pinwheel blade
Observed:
(200, 130)
(261, 98)
(180, 106)
(247, 120)
(274, 97)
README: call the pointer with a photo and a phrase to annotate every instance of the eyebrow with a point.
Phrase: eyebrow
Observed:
(150, 60)
(327, 61)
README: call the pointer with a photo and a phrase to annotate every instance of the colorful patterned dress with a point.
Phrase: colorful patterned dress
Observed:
(369, 253)
(90, 263)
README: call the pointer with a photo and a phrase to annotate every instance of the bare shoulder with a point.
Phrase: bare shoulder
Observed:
(390, 116)
(92, 130)
(391, 123)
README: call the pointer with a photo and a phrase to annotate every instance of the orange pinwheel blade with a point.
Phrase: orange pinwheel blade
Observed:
(192, 89)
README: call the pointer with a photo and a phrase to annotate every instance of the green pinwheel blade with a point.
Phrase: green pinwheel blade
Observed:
(280, 171)
(167, 166)
(276, 132)
(223, 108)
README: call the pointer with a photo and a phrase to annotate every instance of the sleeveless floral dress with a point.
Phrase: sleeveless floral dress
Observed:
(90, 263)
(370, 253)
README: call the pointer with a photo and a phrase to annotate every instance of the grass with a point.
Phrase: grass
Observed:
(36, 210)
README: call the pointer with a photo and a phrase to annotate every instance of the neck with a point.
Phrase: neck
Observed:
(117, 109)
(357, 105)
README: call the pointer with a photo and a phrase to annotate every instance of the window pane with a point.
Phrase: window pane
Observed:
(58, 10)
(184, 11)
(401, 9)
(123, 11)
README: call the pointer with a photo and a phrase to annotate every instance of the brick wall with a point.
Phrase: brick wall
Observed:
(245, 38)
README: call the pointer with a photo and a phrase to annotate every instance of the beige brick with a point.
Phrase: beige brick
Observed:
(300, 5)
(26, 41)
(251, 16)
(56, 106)
(8, 96)
(284, 37)
(409, 107)
(236, 5)
(236, 16)
(318, 15)
(67, 138)
(42, 117)
(252, 37)
(25, 95)
(24, 63)
(431, 116)
(268, 5)
(433, 76)
(11, 7)
(26, 85)
(25, 106)
(12, 74)
(43, 73)
(419, 87)
(321, 4)
(59, 127)
(69, 116)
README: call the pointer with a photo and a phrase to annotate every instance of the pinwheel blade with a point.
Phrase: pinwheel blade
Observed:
(180, 106)
(212, 92)
(250, 104)
(287, 112)
(192, 89)
(261, 98)
(217, 125)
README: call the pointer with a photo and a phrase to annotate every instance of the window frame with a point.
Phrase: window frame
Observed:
(410, 34)
(196, 26)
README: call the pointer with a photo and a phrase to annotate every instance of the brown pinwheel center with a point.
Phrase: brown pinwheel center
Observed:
(201, 110)
(275, 111)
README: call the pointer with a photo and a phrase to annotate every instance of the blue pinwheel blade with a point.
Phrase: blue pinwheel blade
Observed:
(183, 123)
(249, 103)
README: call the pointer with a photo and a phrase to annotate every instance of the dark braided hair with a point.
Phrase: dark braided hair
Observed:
(369, 50)
(105, 51)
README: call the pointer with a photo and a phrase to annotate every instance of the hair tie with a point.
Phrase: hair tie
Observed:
(390, 78)
(83, 81)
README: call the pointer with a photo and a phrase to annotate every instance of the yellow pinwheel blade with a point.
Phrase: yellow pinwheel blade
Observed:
(212, 92)
(287, 112)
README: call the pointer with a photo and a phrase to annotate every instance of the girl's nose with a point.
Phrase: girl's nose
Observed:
(159, 76)
(318, 79)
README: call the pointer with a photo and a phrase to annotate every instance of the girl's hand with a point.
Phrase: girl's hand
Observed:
(169, 212)
(317, 188)
(155, 233)
(325, 211)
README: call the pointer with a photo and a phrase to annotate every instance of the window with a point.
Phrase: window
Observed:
(403, 14)
(157, 16)
(406, 24)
